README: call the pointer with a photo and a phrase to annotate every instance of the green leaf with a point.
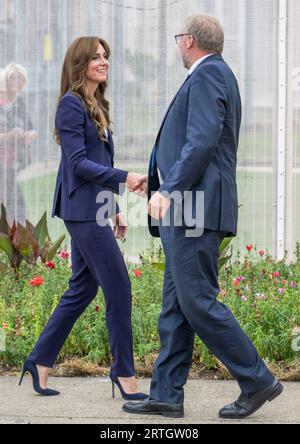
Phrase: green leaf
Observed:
(160, 266)
(6, 245)
(225, 243)
(41, 230)
(53, 249)
(223, 261)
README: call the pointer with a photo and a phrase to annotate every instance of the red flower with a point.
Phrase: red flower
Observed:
(261, 253)
(236, 282)
(5, 325)
(64, 255)
(284, 282)
(276, 274)
(249, 247)
(137, 273)
(37, 281)
(223, 293)
(50, 265)
(97, 308)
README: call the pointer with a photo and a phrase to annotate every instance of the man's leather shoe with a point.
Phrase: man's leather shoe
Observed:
(152, 407)
(246, 405)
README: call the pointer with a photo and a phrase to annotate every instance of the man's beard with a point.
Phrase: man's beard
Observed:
(185, 62)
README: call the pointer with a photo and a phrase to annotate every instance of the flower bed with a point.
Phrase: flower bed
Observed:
(263, 294)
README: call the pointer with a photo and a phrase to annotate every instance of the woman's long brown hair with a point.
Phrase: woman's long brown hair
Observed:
(77, 59)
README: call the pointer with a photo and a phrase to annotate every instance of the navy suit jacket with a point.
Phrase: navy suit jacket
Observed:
(196, 147)
(86, 165)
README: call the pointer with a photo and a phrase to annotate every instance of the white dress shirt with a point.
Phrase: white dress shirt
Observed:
(197, 63)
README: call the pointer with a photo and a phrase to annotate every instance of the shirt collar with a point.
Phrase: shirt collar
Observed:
(197, 63)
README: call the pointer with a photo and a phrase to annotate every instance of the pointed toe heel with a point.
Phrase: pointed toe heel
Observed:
(31, 368)
(126, 396)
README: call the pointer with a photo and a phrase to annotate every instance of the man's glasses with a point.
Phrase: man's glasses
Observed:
(177, 37)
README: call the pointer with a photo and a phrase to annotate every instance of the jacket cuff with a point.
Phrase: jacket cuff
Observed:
(167, 190)
(121, 177)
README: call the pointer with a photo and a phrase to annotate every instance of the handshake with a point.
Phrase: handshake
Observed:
(137, 183)
(158, 204)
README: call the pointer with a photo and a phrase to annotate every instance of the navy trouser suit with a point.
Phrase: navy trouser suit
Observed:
(196, 151)
(86, 169)
(190, 307)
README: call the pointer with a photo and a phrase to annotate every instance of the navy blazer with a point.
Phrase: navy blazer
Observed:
(86, 165)
(196, 147)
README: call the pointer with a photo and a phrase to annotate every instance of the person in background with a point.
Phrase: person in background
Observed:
(16, 138)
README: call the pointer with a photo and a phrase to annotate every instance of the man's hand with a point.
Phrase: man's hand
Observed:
(137, 183)
(120, 226)
(158, 206)
(142, 187)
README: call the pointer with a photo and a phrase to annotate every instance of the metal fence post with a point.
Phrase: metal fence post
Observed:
(290, 139)
(281, 132)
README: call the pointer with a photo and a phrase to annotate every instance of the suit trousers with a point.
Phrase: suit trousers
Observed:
(96, 262)
(190, 307)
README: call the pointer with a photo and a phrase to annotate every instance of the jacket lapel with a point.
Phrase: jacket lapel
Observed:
(170, 106)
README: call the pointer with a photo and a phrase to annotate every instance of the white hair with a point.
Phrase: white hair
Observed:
(10, 69)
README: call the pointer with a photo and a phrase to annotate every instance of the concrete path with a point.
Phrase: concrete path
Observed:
(89, 401)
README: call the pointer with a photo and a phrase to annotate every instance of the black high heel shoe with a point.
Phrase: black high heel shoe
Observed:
(30, 367)
(126, 396)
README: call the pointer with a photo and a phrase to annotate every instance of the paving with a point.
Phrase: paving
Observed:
(89, 401)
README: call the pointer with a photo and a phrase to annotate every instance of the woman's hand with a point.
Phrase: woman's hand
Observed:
(137, 183)
(120, 226)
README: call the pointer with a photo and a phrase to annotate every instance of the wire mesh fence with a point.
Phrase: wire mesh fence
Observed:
(145, 72)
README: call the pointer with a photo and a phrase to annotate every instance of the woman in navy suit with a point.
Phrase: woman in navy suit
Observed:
(86, 174)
